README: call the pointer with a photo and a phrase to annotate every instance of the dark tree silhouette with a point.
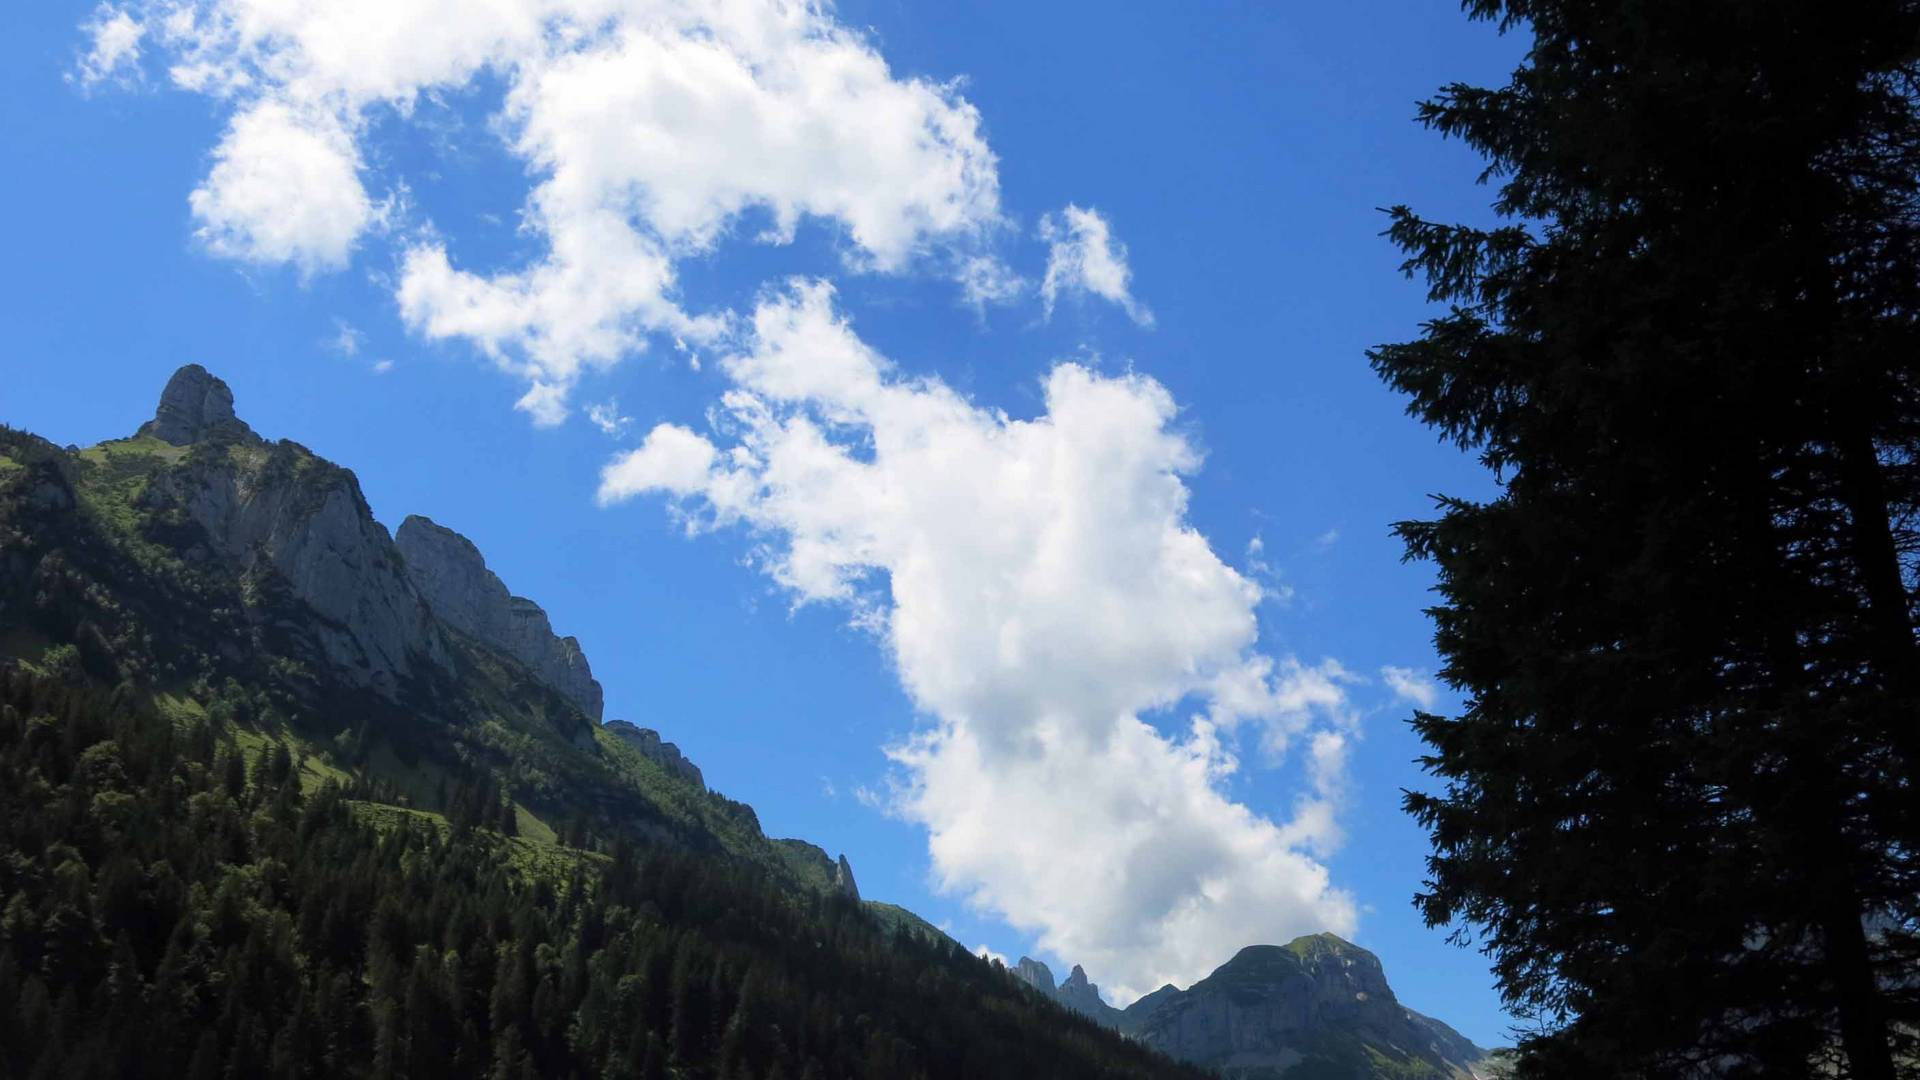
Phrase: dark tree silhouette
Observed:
(1679, 804)
(159, 917)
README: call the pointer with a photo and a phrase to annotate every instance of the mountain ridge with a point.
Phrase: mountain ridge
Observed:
(452, 576)
(259, 561)
(243, 583)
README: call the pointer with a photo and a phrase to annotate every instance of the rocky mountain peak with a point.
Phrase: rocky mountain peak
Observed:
(1036, 974)
(1077, 993)
(1081, 995)
(195, 405)
(843, 879)
(276, 508)
(1267, 1010)
(452, 575)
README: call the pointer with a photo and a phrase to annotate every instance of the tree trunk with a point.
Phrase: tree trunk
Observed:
(1863, 1020)
(1877, 559)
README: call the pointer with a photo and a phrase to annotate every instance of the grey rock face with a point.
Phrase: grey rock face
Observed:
(451, 574)
(278, 508)
(195, 405)
(1260, 1007)
(1077, 992)
(1035, 974)
(1268, 1008)
(843, 879)
(1145, 1006)
(664, 754)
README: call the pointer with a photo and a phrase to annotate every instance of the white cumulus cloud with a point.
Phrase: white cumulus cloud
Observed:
(1083, 257)
(1044, 600)
(284, 188)
(648, 129)
(671, 459)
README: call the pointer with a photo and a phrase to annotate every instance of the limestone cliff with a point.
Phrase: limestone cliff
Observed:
(452, 574)
(288, 518)
(1035, 974)
(843, 882)
(1077, 992)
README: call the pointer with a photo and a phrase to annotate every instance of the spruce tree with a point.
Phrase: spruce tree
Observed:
(1679, 804)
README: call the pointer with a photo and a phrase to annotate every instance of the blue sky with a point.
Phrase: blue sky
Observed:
(1236, 160)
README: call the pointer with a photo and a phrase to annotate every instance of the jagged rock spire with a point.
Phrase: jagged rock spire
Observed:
(195, 405)
(843, 879)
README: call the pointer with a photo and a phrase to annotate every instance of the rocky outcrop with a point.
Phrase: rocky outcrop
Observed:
(664, 754)
(843, 880)
(1082, 996)
(195, 406)
(451, 574)
(275, 507)
(1077, 992)
(1035, 974)
(1319, 1004)
(821, 870)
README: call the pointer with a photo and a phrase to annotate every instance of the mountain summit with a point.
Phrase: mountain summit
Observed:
(1319, 1006)
(195, 405)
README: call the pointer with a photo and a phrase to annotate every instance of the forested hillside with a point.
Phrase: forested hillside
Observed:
(180, 905)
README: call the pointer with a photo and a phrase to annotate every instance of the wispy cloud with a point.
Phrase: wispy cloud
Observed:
(986, 281)
(113, 52)
(1412, 685)
(1084, 258)
(606, 416)
(345, 340)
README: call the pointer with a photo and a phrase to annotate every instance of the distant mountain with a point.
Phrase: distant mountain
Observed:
(280, 789)
(1318, 1008)
(1077, 993)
